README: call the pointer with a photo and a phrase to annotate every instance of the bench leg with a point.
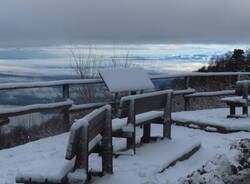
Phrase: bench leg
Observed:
(131, 142)
(186, 104)
(231, 111)
(146, 133)
(107, 159)
(167, 129)
(245, 110)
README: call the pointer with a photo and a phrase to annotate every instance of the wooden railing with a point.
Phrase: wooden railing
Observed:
(67, 106)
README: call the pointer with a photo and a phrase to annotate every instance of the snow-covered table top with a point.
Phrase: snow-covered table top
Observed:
(126, 79)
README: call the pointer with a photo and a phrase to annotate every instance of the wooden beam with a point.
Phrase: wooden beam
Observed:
(34, 108)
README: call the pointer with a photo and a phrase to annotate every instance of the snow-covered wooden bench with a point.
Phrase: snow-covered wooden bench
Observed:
(241, 100)
(91, 133)
(142, 110)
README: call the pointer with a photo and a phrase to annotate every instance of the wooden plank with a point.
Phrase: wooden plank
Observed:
(96, 124)
(25, 85)
(73, 142)
(211, 94)
(107, 152)
(144, 102)
(183, 92)
(167, 120)
(89, 106)
(66, 115)
(4, 121)
(123, 109)
(34, 108)
(150, 103)
(146, 133)
(187, 82)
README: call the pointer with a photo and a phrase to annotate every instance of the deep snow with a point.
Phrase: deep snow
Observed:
(128, 168)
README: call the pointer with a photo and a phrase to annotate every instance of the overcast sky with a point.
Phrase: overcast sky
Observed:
(56, 22)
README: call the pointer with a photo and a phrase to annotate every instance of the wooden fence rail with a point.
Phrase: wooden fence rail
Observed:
(66, 106)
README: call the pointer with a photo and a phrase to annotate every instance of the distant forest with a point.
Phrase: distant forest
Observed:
(236, 61)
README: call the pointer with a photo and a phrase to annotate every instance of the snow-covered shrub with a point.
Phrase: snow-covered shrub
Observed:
(224, 169)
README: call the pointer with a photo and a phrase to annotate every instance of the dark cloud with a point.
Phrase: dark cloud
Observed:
(50, 22)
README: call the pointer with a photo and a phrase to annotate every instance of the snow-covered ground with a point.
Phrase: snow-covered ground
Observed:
(214, 117)
(141, 168)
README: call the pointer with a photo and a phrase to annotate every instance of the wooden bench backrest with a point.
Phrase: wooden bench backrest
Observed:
(242, 90)
(144, 102)
(83, 131)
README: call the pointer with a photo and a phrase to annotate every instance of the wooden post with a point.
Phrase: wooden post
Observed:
(116, 104)
(167, 116)
(107, 156)
(187, 100)
(232, 110)
(131, 142)
(66, 115)
(238, 77)
(146, 132)
(245, 96)
(187, 82)
(82, 161)
(187, 103)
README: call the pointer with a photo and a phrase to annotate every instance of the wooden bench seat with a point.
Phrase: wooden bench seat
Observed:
(86, 134)
(118, 124)
(142, 110)
(236, 99)
(56, 173)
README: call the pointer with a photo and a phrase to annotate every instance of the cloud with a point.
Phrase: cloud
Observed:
(53, 22)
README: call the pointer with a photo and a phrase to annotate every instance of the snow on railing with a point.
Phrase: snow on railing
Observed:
(211, 93)
(243, 82)
(71, 108)
(14, 111)
(23, 85)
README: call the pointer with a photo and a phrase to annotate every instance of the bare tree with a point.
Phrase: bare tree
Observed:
(86, 63)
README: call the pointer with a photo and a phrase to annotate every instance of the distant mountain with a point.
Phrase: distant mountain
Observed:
(25, 54)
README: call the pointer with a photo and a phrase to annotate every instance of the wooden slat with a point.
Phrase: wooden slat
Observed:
(150, 103)
(123, 109)
(4, 121)
(88, 106)
(96, 124)
(24, 85)
(183, 92)
(144, 102)
(211, 93)
(5, 113)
